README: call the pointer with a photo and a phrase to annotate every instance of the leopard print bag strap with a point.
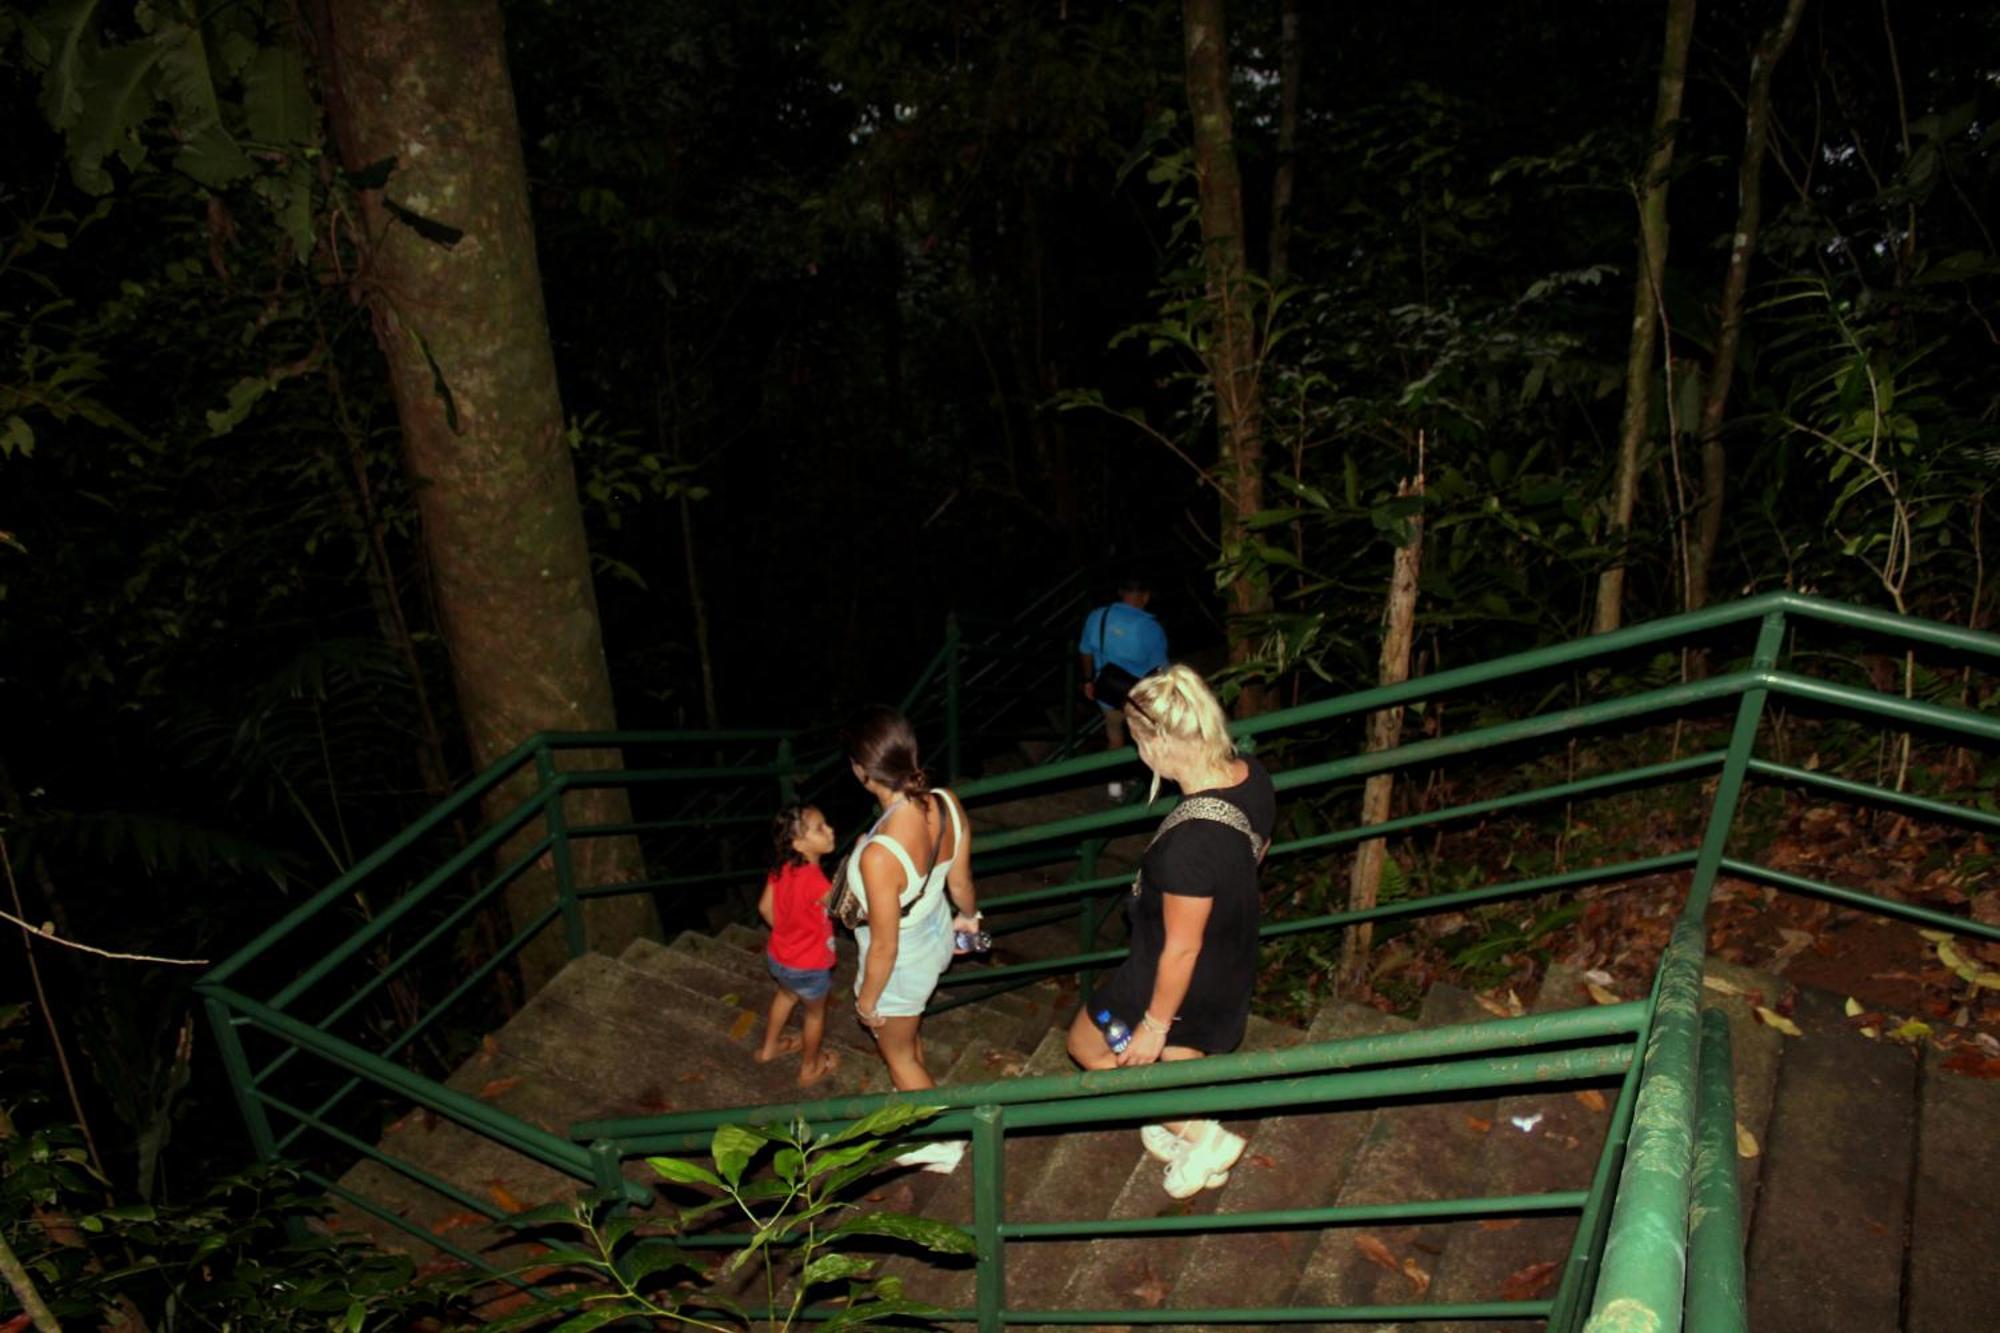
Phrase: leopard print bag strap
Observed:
(1211, 808)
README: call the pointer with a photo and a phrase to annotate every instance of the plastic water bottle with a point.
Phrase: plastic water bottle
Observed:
(1116, 1035)
(972, 941)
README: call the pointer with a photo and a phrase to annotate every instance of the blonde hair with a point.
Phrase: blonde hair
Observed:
(1175, 715)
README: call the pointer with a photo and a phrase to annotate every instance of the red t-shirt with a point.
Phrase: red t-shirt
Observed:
(801, 934)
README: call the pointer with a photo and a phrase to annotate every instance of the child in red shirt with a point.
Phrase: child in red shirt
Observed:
(800, 955)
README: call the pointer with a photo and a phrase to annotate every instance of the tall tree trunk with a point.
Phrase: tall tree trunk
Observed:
(1645, 306)
(1743, 245)
(1233, 352)
(1385, 732)
(1291, 67)
(462, 326)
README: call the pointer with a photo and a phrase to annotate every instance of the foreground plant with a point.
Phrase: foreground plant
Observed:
(801, 1216)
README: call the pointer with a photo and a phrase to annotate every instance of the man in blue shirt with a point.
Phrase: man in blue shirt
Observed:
(1123, 632)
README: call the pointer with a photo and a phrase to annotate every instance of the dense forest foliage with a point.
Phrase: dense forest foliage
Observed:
(857, 314)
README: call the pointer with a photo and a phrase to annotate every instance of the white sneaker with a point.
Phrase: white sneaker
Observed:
(1211, 1151)
(1115, 790)
(940, 1155)
(1162, 1143)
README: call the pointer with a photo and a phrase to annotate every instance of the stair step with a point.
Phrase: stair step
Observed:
(1953, 1274)
(1411, 1151)
(685, 968)
(1559, 1151)
(953, 1283)
(1310, 1151)
(1837, 1168)
(1110, 1273)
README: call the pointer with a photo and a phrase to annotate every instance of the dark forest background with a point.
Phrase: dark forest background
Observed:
(865, 313)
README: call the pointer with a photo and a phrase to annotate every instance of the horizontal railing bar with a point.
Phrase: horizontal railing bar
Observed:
(1858, 898)
(438, 1010)
(1565, 791)
(382, 978)
(500, 830)
(1424, 906)
(585, 779)
(1500, 1034)
(1892, 707)
(1889, 624)
(1868, 793)
(1567, 1201)
(470, 1112)
(408, 1170)
(497, 772)
(1417, 753)
(658, 825)
(1472, 1074)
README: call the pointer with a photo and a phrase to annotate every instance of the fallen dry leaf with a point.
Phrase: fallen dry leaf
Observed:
(1601, 995)
(1263, 1160)
(1526, 1284)
(1492, 1006)
(489, 1046)
(499, 1087)
(457, 1222)
(1720, 986)
(1974, 1065)
(1478, 1124)
(1746, 1142)
(1375, 1252)
(1593, 1099)
(1419, 1279)
(1500, 1224)
(1772, 1018)
(745, 1020)
(1911, 1030)
(505, 1197)
(1151, 1289)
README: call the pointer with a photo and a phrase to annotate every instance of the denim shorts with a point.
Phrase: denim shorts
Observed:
(808, 983)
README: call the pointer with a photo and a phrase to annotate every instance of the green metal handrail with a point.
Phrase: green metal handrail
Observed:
(1626, 1228)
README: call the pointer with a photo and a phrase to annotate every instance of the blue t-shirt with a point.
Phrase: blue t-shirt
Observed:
(1124, 634)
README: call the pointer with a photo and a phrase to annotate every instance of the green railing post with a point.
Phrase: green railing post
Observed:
(1716, 1300)
(242, 1086)
(1735, 764)
(989, 1203)
(609, 1178)
(558, 827)
(788, 782)
(1090, 910)
(954, 684)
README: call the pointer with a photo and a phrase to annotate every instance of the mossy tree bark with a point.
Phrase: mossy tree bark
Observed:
(455, 291)
(1652, 192)
(1232, 358)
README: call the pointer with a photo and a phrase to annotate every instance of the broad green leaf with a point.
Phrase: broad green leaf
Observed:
(16, 437)
(834, 1267)
(64, 37)
(120, 99)
(941, 1237)
(732, 1147)
(214, 158)
(276, 105)
(243, 395)
(653, 1256)
(683, 1173)
(597, 1317)
(866, 1316)
(787, 1162)
(884, 1121)
(832, 1159)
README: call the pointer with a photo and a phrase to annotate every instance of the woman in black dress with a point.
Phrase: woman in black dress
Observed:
(1185, 990)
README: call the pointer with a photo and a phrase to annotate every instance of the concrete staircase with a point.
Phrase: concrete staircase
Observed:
(1868, 1185)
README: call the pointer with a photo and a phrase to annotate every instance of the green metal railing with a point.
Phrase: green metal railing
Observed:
(1668, 1152)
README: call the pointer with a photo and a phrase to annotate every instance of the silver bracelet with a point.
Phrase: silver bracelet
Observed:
(1152, 1024)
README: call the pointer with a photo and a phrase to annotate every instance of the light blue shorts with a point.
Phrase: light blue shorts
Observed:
(921, 958)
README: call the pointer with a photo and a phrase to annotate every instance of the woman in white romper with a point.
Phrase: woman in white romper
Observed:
(915, 869)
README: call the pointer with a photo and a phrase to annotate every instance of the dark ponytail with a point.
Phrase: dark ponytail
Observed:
(786, 826)
(883, 743)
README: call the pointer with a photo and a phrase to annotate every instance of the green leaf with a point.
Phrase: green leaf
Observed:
(120, 99)
(732, 1147)
(866, 1316)
(787, 1163)
(939, 1237)
(597, 1317)
(653, 1256)
(214, 158)
(64, 37)
(683, 1173)
(16, 436)
(834, 1267)
(276, 105)
(243, 395)
(832, 1159)
(884, 1121)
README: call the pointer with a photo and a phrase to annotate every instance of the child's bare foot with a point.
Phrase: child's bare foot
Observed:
(786, 1043)
(811, 1073)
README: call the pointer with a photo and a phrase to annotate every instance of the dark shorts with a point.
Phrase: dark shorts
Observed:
(808, 983)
